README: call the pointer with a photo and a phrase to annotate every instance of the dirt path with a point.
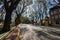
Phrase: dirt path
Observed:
(14, 35)
(30, 32)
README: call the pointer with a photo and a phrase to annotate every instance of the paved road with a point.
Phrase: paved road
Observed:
(31, 32)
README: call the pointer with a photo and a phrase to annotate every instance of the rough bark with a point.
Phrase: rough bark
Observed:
(17, 20)
(7, 22)
(9, 10)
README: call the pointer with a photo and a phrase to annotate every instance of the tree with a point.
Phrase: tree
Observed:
(59, 1)
(24, 4)
(9, 5)
(17, 20)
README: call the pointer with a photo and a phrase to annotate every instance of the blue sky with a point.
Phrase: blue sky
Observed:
(1, 4)
(48, 6)
(52, 4)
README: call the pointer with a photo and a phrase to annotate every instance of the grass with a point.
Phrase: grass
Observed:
(3, 35)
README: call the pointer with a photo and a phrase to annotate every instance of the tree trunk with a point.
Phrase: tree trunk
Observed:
(6, 26)
(17, 20)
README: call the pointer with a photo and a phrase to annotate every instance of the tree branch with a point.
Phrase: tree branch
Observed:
(23, 8)
(6, 5)
(13, 5)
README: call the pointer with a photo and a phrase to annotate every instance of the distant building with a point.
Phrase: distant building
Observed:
(55, 15)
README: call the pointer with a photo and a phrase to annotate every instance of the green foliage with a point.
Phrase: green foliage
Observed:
(25, 20)
(47, 21)
(21, 19)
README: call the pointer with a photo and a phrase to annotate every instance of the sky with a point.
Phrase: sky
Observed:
(1, 4)
(34, 6)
